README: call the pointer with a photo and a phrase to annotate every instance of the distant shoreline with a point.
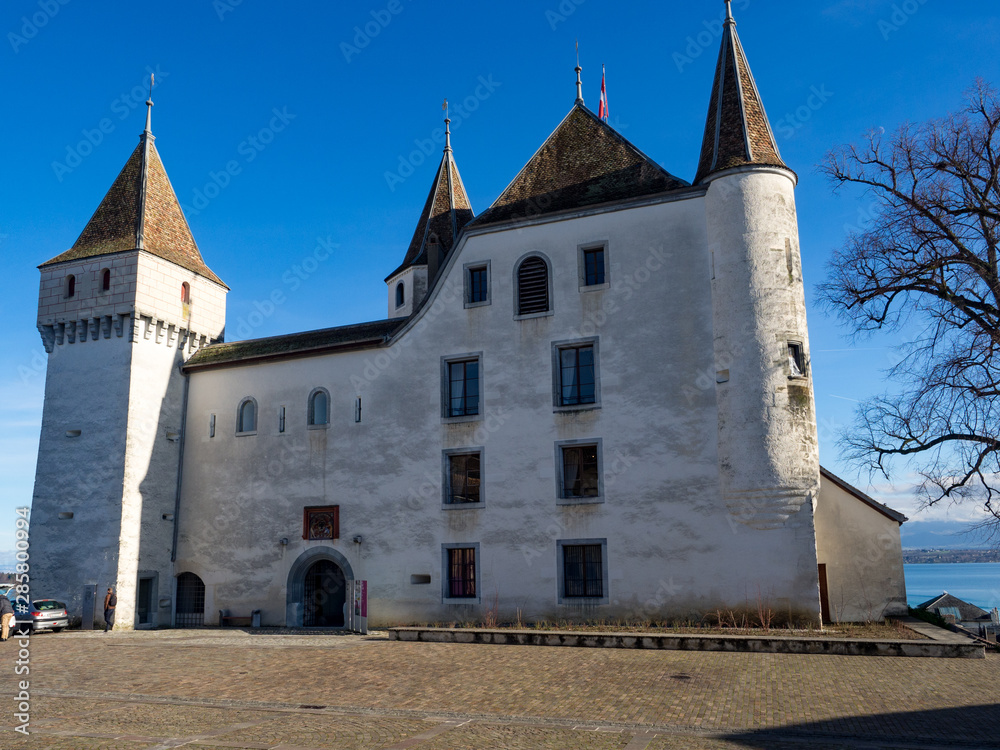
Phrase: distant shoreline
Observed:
(928, 556)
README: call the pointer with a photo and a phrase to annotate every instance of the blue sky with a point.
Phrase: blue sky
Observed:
(359, 87)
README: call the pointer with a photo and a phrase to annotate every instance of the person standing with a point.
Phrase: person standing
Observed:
(6, 617)
(110, 602)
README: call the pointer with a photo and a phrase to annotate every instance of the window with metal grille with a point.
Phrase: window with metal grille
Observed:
(577, 381)
(462, 573)
(580, 473)
(593, 266)
(463, 388)
(532, 286)
(190, 601)
(464, 478)
(478, 289)
(583, 570)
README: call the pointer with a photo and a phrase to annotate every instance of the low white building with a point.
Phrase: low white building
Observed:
(592, 400)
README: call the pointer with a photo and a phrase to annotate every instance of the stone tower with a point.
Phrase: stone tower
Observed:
(768, 452)
(118, 313)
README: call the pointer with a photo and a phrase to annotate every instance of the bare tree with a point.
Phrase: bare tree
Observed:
(926, 267)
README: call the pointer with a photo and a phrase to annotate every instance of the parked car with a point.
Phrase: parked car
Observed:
(45, 614)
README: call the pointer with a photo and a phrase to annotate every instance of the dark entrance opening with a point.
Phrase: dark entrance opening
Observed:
(190, 601)
(325, 595)
(145, 601)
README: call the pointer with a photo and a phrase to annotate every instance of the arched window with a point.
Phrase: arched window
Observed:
(106, 280)
(190, 601)
(186, 293)
(532, 286)
(319, 408)
(246, 416)
(400, 294)
(70, 285)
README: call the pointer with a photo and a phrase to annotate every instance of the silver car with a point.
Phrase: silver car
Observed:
(47, 614)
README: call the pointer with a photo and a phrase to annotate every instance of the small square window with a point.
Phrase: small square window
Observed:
(464, 479)
(321, 522)
(593, 266)
(581, 477)
(460, 572)
(796, 360)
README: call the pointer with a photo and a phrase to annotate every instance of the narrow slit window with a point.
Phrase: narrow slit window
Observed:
(185, 293)
(71, 286)
(796, 360)
(106, 280)
(400, 294)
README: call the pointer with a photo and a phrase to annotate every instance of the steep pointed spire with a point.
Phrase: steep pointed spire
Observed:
(141, 212)
(737, 131)
(446, 211)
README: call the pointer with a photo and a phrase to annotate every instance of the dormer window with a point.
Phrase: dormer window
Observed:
(400, 294)
(70, 286)
(106, 280)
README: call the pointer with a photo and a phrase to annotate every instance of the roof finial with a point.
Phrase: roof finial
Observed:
(447, 128)
(579, 82)
(149, 106)
(729, 12)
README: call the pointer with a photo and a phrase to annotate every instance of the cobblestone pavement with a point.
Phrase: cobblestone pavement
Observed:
(294, 691)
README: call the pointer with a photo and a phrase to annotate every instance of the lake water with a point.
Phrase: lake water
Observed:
(976, 583)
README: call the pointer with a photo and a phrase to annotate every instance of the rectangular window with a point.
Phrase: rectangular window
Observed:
(463, 388)
(577, 380)
(583, 571)
(593, 266)
(321, 522)
(464, 478)
(478, 285)
(580, 471)
(462, 573)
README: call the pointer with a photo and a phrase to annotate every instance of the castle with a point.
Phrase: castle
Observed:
(592, 400)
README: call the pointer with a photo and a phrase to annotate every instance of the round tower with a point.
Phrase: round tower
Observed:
(768, 451)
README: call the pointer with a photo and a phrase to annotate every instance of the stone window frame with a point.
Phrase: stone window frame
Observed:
(467, 270)
(560, 472)
(561, 598)
(446, 597)
(446, 456)
(239, 417)
(581, 254)
(557, 348)
(446, 387)
(310, 424)
(517, 290)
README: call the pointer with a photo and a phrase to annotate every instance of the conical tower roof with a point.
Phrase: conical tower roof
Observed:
(737, 132)
(446, 211)
(140, 212)
(584, 162)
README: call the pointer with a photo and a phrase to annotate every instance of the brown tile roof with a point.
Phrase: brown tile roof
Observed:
(146, 216)
(296, 344)
(737, 132)
(446, 211)
(969, 612)
(584, 162)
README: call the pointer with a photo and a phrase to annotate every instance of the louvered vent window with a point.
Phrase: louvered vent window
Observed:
(532, 287)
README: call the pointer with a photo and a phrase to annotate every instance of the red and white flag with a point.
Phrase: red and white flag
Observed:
(602, 108)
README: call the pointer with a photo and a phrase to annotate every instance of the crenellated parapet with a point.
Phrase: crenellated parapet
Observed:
(134, 327)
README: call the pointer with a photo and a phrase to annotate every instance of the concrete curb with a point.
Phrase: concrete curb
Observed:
(732, 643)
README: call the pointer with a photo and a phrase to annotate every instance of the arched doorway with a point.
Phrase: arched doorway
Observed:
(325, 595)
(190, 601)
(317, 587)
